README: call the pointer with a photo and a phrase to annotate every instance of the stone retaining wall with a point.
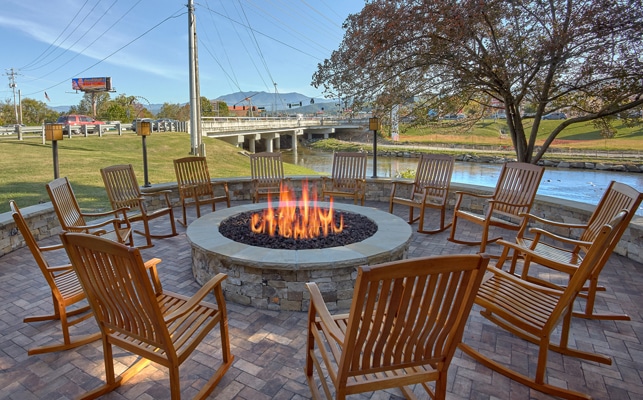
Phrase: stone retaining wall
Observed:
(44, 223)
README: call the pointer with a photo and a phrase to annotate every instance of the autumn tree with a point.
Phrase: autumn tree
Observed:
(578, 56)
(36, 112)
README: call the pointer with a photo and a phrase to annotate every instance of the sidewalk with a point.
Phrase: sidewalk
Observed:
(269, 346)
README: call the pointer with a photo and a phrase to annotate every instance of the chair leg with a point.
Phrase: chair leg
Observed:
(523, 379)
(68, 343)
(589, 305)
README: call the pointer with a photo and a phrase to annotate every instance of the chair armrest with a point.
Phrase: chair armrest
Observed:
(59, 268)
(521, 282)
(165, 193)
(541, 232)
(51, 247)
(98, 225)
(317, 301)
(197, 297)
(459, 195)
(122, 210)
(482, 196)
(497, 202)
(399, 183)
(544, 221)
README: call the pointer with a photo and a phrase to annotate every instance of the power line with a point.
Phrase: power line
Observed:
(112, 53)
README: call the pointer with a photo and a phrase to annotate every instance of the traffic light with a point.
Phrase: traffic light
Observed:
(289, 105)
(300, 104)
(312, 101)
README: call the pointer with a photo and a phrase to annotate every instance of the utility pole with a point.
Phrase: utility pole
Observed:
(195, 96)
(274, 106)
(12, 84)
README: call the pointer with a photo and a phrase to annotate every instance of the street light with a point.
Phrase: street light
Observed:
(144, 129)
(54, 133)
(374, 125)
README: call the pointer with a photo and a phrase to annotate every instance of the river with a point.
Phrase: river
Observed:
(582, 185)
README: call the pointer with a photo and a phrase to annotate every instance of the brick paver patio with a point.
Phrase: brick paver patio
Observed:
(269, 346)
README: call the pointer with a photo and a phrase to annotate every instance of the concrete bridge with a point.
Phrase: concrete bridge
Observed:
(270, 130)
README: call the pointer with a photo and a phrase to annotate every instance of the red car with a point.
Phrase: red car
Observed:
(74, 121)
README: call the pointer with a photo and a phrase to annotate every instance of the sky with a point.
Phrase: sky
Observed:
(243, 45)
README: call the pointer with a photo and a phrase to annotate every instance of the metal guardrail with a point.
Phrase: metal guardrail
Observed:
(31, 132)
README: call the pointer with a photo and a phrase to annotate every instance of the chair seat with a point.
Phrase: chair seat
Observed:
(550, 252)
(507, 296)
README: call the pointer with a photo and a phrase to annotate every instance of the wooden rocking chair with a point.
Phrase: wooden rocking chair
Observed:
(513, 196)
(565, 254)
(532, 312)
(136, 314)
(429, 189)
(72, 219)
(123, 191)
(405, 322)
(195, 185)
(348, 177)
(267, 174)
(65, 291)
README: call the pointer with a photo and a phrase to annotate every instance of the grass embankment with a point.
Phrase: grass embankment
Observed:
(569, 145)
(27, 166)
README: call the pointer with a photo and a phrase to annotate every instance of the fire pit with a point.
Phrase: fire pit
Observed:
(274, 278)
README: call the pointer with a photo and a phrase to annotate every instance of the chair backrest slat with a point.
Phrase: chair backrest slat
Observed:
(65, 204)
(193, 172)
(267, 168)
(411, 314)
(617, 197)
(348, 168)
(120, 291)
(517, 186)
(121, 186)
(434, 171)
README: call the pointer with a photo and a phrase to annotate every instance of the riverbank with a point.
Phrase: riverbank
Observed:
(362, 141)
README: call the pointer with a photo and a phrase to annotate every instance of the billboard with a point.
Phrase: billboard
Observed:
(92, 84)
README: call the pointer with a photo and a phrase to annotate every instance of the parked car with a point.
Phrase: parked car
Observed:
(555, 115)
(166, 124)
(74, 121)
(453, 116)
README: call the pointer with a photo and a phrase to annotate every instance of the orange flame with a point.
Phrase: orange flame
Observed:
(297, 219)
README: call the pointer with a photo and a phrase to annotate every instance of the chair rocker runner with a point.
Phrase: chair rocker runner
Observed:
(136, 314)
(267, 175)
(195, 186)
(429, 189)
(564, 254)
(532, 312)
(72, 219)
(65, 291)
(123, 191)
(405, 322)
(347, 178)
(514, 194)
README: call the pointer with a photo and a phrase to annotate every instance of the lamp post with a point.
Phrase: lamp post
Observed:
(374, 125)
(54, 133)
(144, 129)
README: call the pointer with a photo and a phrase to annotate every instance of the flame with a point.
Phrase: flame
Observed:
(296, 219)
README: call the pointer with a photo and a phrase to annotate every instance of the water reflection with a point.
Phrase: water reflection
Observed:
(581, 185)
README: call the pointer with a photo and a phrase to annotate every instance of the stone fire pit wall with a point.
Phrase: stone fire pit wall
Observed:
(275, 279)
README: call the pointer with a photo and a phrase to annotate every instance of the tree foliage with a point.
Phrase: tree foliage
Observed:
(578, 56)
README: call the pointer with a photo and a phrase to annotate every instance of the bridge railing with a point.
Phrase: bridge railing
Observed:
(235, 124)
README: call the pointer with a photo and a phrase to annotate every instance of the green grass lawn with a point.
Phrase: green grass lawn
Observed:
(27, 166)
(488, 132)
